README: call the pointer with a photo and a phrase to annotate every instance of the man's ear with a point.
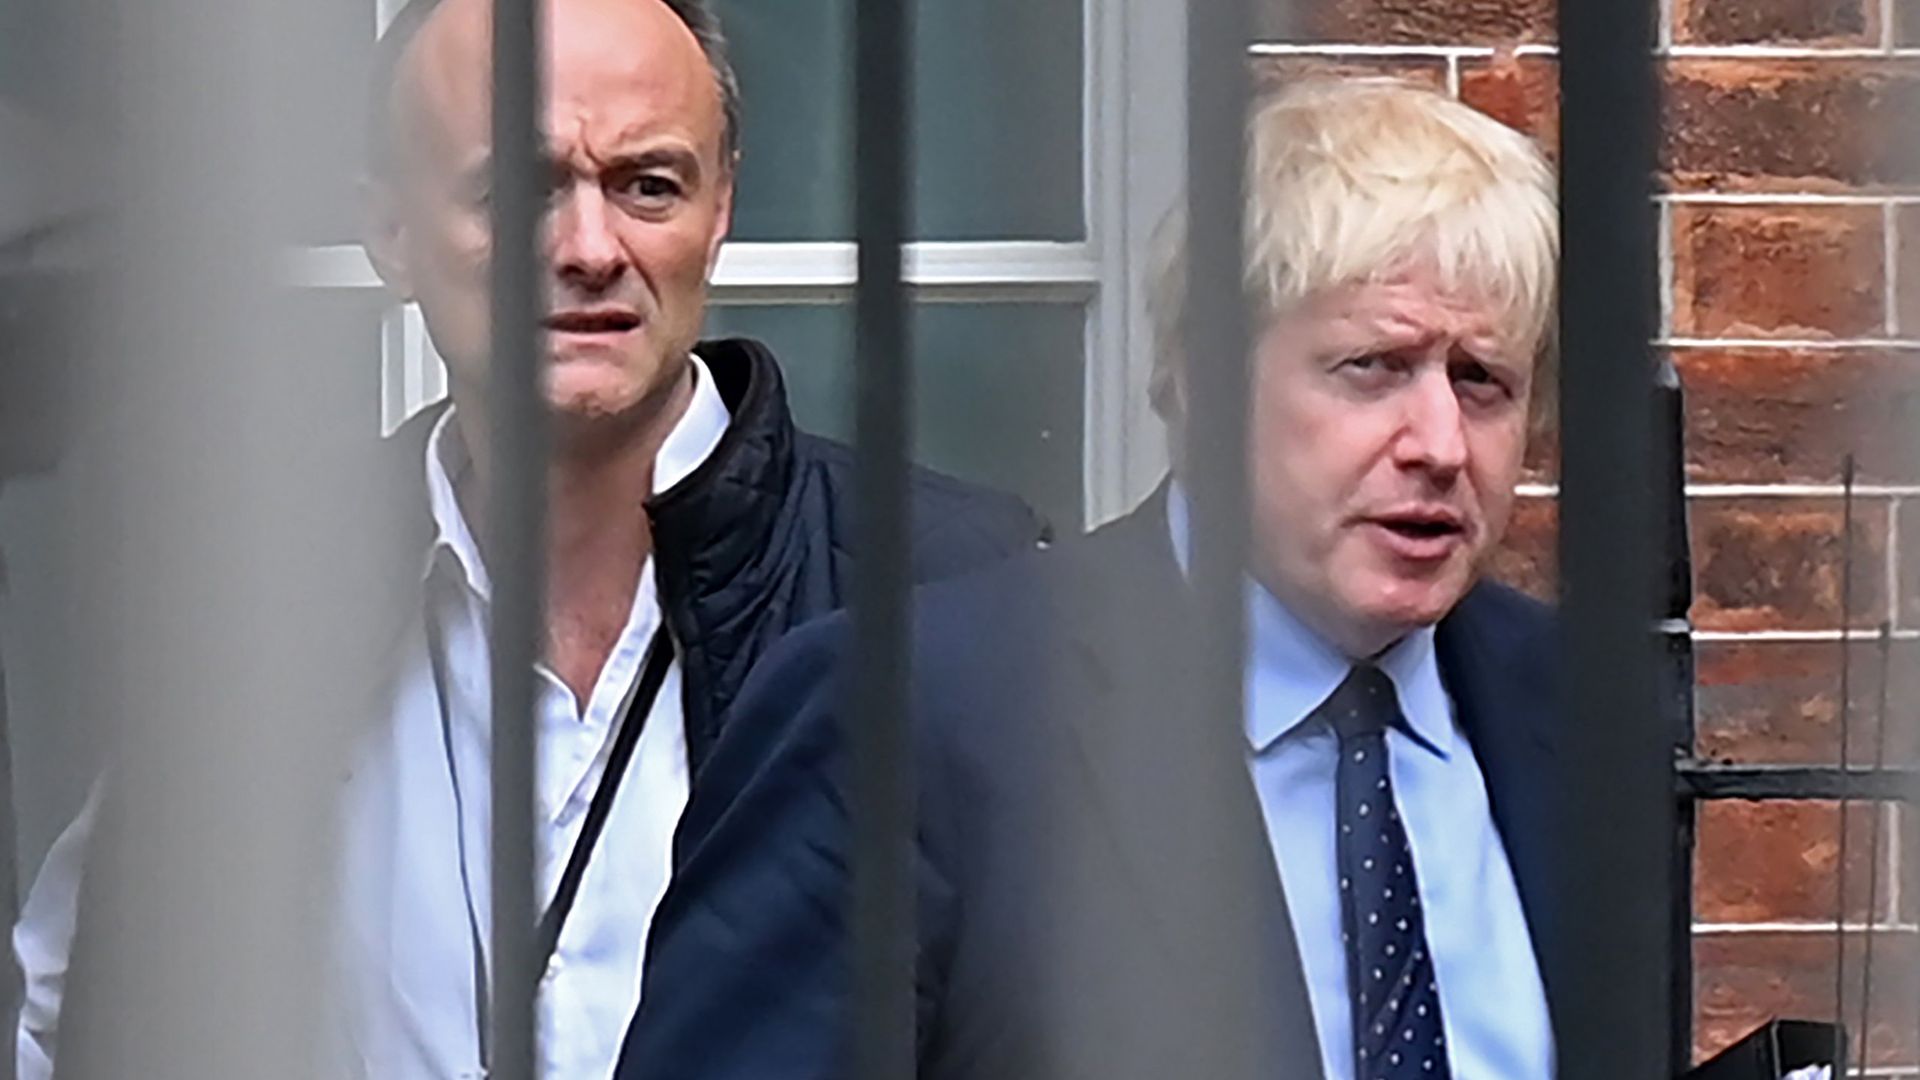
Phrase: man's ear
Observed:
(383, 234)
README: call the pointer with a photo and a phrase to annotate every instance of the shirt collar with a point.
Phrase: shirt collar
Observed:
(696, 436)
(1291, 669)
(692, 440)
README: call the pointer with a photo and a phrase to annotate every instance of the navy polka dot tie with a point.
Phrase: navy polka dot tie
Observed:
(1390, 980)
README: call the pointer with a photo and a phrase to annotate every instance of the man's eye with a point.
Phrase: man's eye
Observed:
(651, 187)
(1372, 365)
(1479, 378)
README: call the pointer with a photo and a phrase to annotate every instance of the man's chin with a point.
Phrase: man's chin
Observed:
(1401, 605)
(591, 390)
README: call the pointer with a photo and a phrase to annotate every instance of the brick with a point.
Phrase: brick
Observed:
(1791, 416)
(1908, 567)
(1907, 853)
(1743, 980)
(1778, 702)
(1774, 564)
(1778, 271)
(1776, 22)
(1543, 457)
(1409, 22)
(1522, 92)
(1272, 72)
(1528, 559)
(1775, 861)
(1812, 124)
(1906, 238)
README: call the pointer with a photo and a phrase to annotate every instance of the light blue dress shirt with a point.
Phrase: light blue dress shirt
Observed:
(1491, 997)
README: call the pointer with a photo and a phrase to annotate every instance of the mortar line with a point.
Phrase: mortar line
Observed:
(1787, 198)
(1786, 52)
(1803, 344)
(1435, 52)
(1797, 637)
(1811, 926)
(1548, 490)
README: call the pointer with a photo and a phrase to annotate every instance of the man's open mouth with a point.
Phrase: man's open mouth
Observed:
(1422, 528)
(592, 322)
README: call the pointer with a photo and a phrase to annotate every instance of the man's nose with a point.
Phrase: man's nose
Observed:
(586, 251)
(1434, 436)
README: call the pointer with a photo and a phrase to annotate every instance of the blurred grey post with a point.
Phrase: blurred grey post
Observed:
(879, 742)
(226, 544)
(1225, 992)
(1607, 921)
(515, 522)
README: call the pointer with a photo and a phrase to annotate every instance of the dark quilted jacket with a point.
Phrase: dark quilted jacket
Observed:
(760, 538)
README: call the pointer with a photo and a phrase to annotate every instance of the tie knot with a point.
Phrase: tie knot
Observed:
(1364, 704)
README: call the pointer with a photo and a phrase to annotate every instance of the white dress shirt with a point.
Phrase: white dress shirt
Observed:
(415, 914)
(1492, 1001)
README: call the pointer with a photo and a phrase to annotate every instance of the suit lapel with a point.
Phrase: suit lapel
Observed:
(1134, 726)
(1504, 702)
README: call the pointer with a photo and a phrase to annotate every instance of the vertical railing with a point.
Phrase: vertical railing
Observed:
(515, 524)
(879, 740)
(1676, 685)
(220, 634)
(1610, 932)
(1226, 997)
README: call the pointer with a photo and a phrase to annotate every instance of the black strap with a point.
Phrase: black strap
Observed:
(659, 658)
(632, 721)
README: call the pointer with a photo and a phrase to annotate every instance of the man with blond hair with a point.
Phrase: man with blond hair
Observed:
(1080, 872)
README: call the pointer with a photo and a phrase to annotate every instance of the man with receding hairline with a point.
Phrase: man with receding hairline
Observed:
(689, 525)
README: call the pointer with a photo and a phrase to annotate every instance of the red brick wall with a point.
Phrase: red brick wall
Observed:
(1790, 255)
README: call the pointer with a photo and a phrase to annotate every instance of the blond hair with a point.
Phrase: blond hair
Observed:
(1350, 180)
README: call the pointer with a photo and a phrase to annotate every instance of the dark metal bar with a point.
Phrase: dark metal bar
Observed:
(1846, 748)
(1218, 341)
(1864, 1032)
(883, 792)
(1676, 690)
(515, 523)
(1727, 780)
(1611, 950)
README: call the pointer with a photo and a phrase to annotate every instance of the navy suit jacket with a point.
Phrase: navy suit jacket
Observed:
(1072, 919)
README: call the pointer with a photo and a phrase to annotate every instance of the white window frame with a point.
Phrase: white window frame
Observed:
(1133, 128)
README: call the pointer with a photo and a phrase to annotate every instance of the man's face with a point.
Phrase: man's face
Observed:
(1389, 424)
(641, 197)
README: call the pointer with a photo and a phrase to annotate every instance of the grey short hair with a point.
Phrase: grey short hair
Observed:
(699, 19)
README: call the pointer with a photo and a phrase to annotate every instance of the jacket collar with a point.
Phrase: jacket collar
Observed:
(1137, 731)
(711, 530)
(713, 521)
(1495, 660)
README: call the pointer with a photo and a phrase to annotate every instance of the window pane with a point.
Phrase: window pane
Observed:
(998, 389)
(996, 123)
